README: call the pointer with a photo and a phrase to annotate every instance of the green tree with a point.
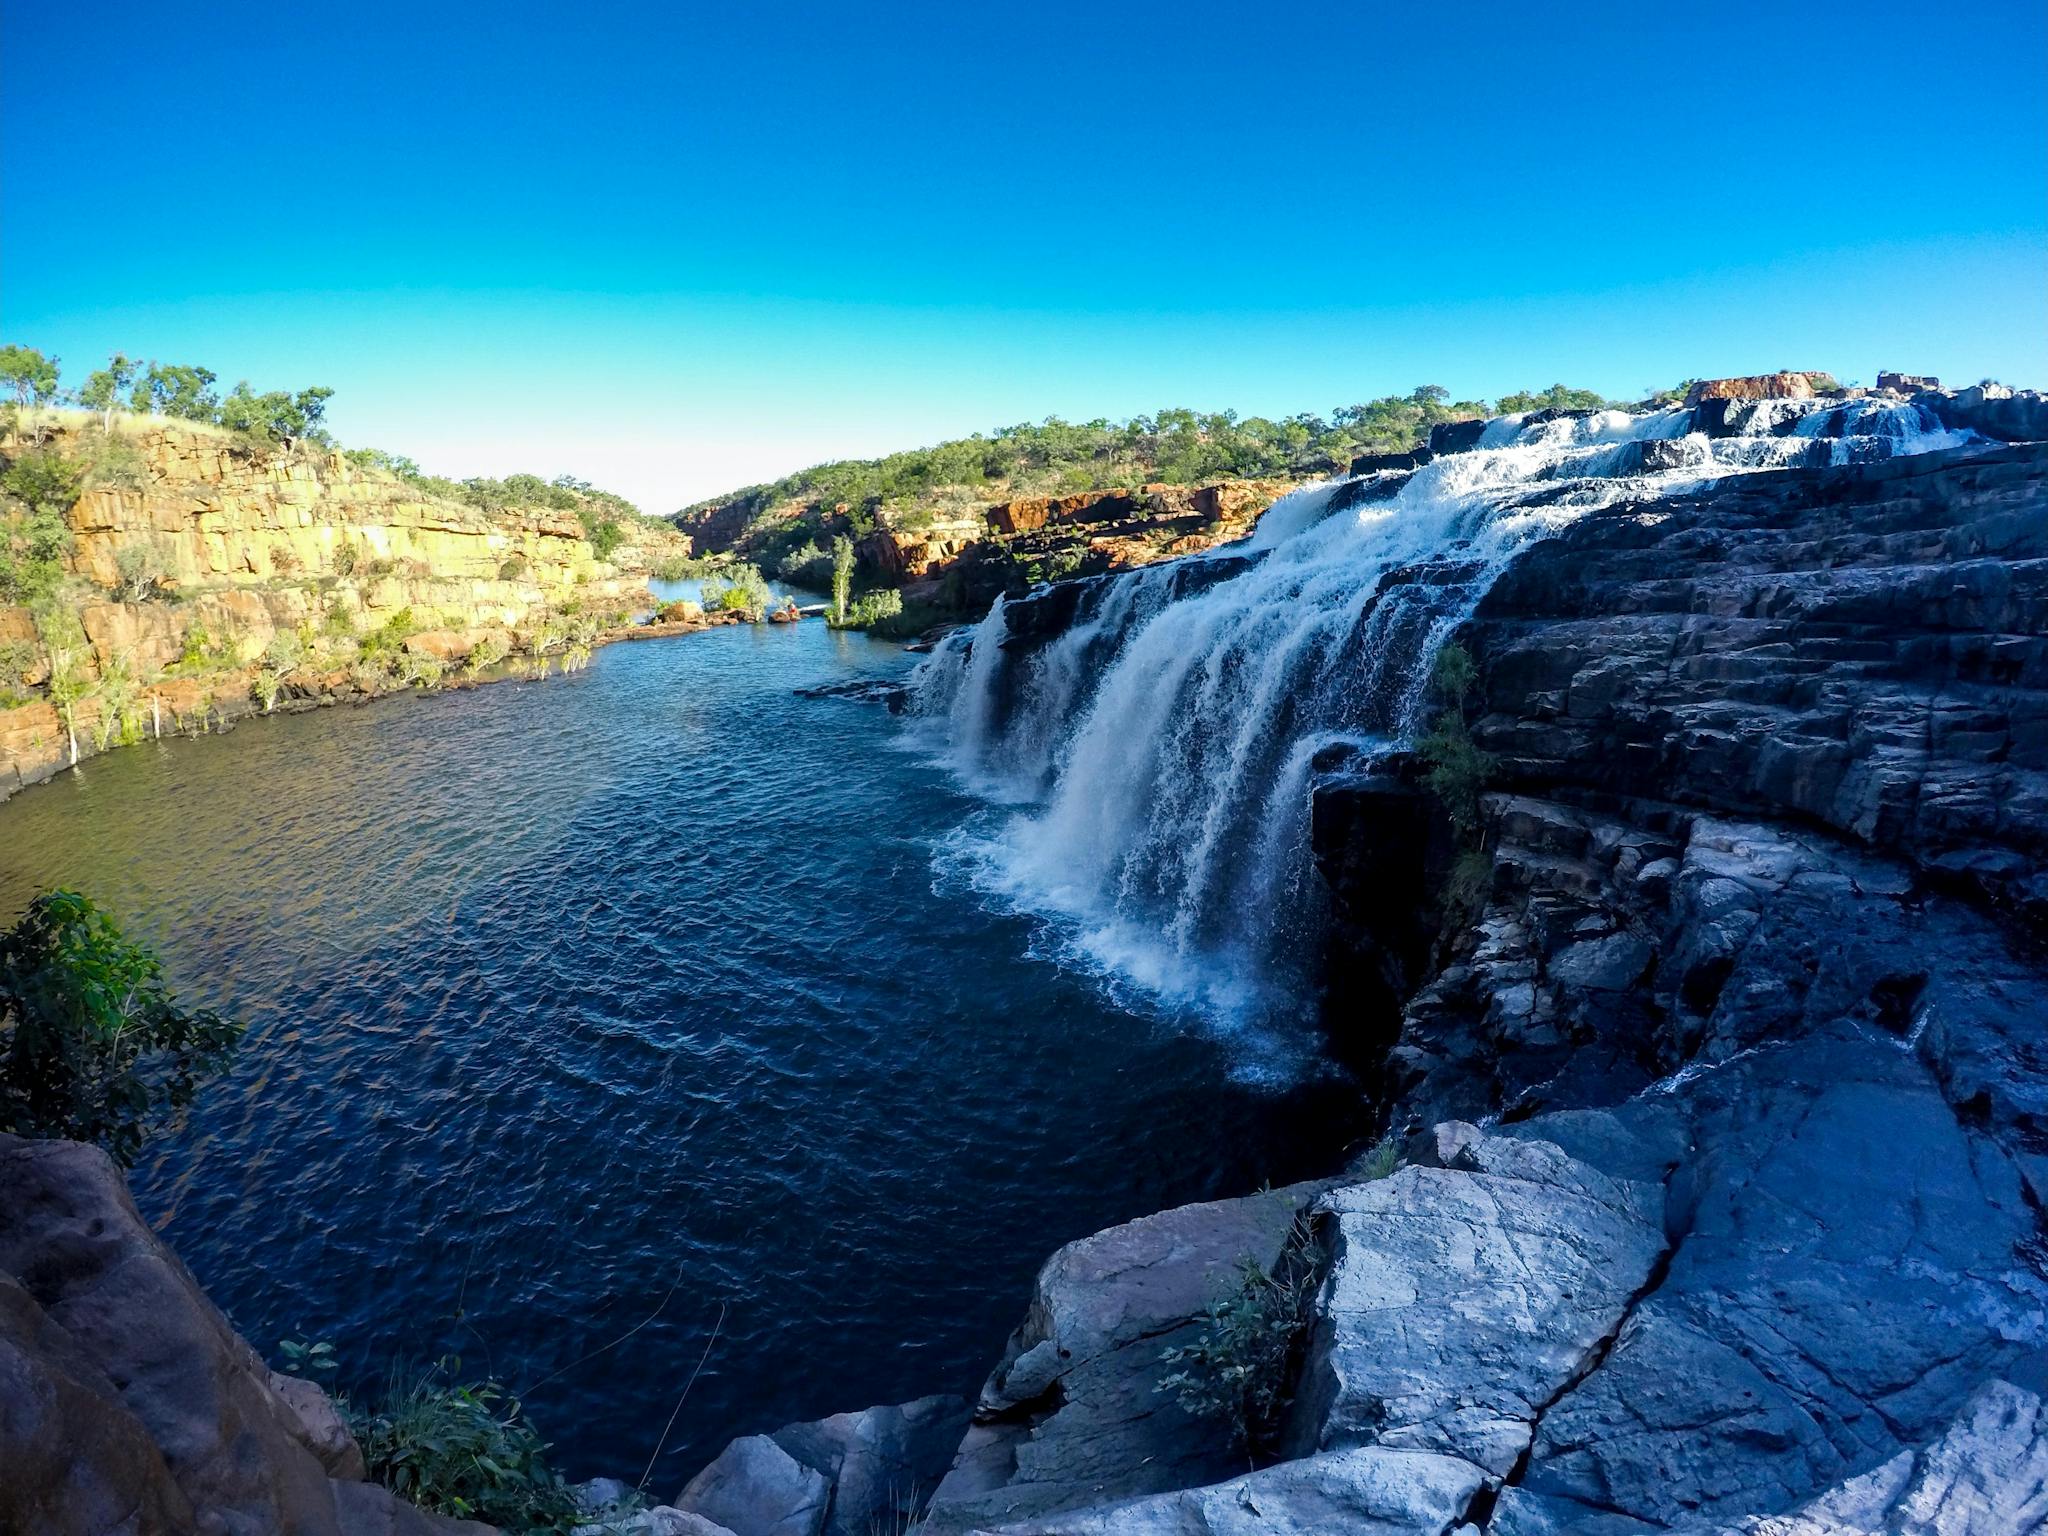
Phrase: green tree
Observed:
(66, 649)
(1457, 771)
(92, 1045)
(104, 387)
(1558, 396)
(37, 490)
(30, 375)
(277, 417)
(842, 576)
(140, 567)
(178, 390)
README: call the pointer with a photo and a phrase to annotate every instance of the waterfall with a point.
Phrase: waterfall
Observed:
(1154, 756)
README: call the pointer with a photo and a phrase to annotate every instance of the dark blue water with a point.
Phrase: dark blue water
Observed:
(634, 994)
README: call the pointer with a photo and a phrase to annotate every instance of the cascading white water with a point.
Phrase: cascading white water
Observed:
(1159, 749)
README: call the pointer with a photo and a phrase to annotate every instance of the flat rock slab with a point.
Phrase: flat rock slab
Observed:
(1462, 1300)
(1073, 1416)
(1854, 1266)
(1367, 1492)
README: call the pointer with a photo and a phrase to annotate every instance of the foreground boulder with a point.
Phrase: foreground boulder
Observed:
(848, 1475)
(1369, 1492)
(1073, 1415)
(128, 1404)
(1464, 1299)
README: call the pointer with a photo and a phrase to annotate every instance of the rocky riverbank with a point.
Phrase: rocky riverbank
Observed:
(1718, 1101)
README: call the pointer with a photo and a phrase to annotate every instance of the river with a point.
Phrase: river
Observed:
(582, 1010)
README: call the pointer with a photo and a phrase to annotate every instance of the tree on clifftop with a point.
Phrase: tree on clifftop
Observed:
(177, 390)
(104, 387)
(276, 416)
(1558, 396)
(30, 375)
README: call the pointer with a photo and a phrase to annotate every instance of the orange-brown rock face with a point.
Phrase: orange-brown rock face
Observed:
(1759, 386)
(250, 549)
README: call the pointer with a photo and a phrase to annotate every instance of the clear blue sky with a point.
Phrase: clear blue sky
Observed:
(677, 247)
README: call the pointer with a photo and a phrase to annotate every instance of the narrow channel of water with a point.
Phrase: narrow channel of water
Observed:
(636, 992)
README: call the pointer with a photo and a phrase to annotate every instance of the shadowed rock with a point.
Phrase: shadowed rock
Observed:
(1073, 1414)
(128, 1403)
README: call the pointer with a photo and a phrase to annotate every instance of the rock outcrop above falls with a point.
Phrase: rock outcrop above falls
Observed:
(1763, 923)
(1723, 1094)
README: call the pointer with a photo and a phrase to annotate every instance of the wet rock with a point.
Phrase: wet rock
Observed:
(1384, 848)
(1375, 463)
(1455, 436)
(1367, 1492)
(756, 1488)
(1462, 1300)
(894, 696)
(1072, 1416)
(2013, 415)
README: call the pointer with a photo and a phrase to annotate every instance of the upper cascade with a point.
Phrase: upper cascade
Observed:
(1156, 731)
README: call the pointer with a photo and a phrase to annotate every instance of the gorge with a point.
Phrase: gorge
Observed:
(1709, 1054)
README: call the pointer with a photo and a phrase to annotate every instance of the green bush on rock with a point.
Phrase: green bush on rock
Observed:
(1457, 769)
(92, 1045)
(463, 1449)
(1240, 1366)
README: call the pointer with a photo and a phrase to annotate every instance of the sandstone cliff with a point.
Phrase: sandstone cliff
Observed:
(956, 559)
(258, 560)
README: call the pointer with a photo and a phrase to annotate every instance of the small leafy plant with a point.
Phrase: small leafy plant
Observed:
(92, 1045)
(1240, 1366)
(1457, 769)
(306, 1360)
(464, 1449)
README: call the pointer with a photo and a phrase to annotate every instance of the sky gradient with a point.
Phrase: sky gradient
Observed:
(675, 248)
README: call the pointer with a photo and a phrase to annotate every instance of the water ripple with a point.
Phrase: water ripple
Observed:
(567, 995)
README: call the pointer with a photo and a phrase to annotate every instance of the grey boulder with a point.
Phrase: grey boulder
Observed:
(756, 1488)
(1073, 1415)
(1371, 1491)
(1462, 1300)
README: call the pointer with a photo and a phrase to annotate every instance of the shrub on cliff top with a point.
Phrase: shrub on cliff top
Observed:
(92, 1045)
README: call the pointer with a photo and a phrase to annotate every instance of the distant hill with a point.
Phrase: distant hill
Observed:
(953, 523)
